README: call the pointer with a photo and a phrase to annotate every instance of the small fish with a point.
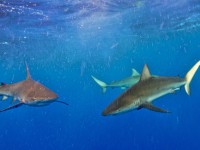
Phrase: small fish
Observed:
(28, 92)
(123, 84)
(148, 89)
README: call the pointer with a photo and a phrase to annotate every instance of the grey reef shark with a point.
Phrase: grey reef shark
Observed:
(123, 84)
(28, 92)
(148, 89)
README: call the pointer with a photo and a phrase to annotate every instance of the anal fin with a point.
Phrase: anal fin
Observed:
(153, 108)
(12, 107)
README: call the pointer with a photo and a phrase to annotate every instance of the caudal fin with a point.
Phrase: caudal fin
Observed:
(102, 84)
(189, 76)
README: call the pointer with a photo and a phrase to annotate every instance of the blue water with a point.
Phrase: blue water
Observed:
(65, 42)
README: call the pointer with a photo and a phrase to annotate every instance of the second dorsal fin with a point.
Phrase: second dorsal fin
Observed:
(145, 73)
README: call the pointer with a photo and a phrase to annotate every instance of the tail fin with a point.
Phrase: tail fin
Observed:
(100, 83)
(189, 76)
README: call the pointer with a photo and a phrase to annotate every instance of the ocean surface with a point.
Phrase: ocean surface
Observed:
(64, 42)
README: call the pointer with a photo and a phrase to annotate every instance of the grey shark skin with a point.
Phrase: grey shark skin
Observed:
(124, 83)
(148, 89)
(28, 92)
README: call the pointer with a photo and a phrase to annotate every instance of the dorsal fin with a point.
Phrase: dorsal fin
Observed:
(28, 75)
(145, 73)
(134, 72)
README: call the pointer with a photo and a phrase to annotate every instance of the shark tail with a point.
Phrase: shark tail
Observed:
(102, 84)
(189, 76)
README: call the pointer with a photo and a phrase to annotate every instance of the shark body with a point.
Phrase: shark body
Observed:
(123, 84)
(28, 92)
(148, 89)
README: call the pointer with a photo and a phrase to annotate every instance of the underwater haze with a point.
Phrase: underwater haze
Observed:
(65, 42)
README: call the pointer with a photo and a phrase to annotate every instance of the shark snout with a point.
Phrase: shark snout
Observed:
(51, 96)
(54, 96)
(108, 111)
(112, 109)
(105, 113)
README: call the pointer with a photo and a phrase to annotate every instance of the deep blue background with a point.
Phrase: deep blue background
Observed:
(65, 42)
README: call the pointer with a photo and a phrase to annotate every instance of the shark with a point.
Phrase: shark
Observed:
(123, 84)
(28, 92)
(147, 89)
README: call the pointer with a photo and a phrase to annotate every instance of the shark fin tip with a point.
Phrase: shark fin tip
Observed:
(28, 76)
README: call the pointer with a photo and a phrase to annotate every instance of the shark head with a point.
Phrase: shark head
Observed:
(37, 94)
(111, 110)
(121, 105)
(114, 110)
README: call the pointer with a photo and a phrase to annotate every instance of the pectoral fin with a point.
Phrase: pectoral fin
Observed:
(153, 108)
(62, 102)
(12, 107)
